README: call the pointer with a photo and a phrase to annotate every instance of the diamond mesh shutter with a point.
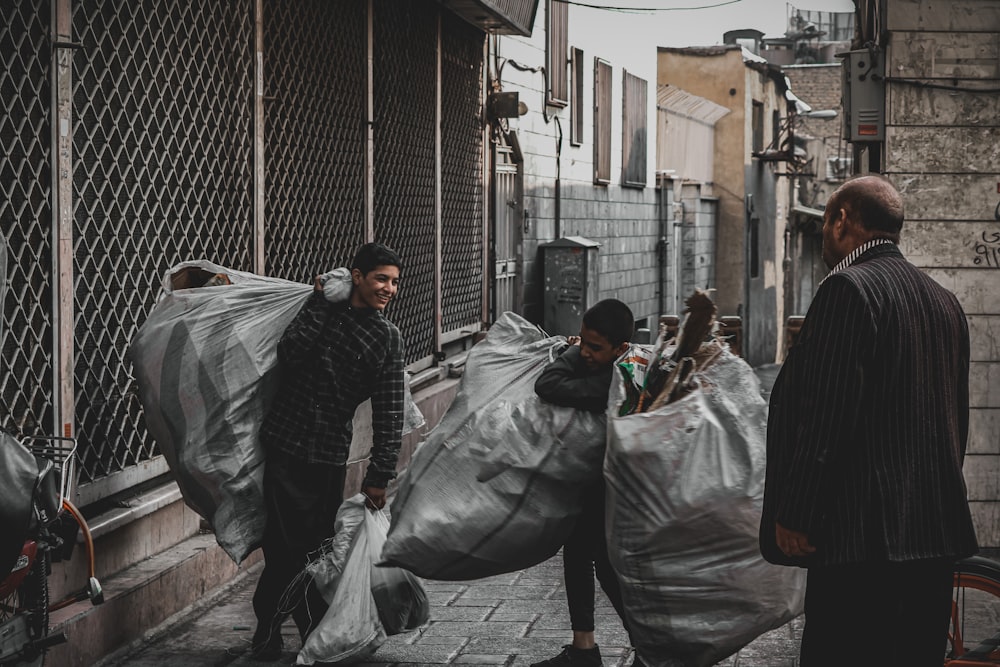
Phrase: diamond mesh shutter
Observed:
(315, 83)
(462, 168)
(163, 144)
(26, 354)
(405, 65)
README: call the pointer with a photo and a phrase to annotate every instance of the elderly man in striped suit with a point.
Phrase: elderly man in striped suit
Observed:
(866, 437)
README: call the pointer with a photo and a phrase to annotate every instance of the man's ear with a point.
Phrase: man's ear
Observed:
(841, 225)
(356, 276)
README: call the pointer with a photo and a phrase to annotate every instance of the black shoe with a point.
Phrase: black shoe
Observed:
(266, 645)
(574, 657)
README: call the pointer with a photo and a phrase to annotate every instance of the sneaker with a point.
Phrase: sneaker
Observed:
(266, 646)
(574, 657)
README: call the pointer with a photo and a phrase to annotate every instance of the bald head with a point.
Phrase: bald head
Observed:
(873, 203)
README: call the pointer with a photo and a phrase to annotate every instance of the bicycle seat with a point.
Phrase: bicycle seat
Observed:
(18, 478)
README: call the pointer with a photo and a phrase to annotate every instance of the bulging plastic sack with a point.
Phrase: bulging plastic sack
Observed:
(685, 487)
(495, 487)
(204, 362)
(367, 602)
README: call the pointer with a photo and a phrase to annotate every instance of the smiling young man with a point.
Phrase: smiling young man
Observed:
(331, 358)
(580, 377)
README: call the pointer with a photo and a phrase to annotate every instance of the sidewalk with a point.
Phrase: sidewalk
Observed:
(511, 620)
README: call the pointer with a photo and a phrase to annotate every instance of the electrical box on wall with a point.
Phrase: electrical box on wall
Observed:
(571, 275)
(863, 86)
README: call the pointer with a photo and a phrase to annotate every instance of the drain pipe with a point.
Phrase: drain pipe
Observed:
(661, 246)
(558, 188)
(678, 221)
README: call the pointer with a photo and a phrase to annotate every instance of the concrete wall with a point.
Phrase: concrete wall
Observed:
(941, 150)
(624, 220)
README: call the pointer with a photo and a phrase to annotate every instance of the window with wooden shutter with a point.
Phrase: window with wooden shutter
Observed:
(757, 119)
(634, 130)
(576, 103)
(556, 48)
(602, 121)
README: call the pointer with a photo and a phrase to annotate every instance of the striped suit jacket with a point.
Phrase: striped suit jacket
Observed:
(869, 419)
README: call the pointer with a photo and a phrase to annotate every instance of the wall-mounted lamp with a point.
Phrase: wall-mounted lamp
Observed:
(822, 114)
(505, 105)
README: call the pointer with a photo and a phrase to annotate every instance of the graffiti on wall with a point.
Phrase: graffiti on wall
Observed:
(987, 249)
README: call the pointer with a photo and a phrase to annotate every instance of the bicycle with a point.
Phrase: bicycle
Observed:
(974, 632)
(37, 472)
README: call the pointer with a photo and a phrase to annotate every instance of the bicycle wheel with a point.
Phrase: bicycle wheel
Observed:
(25, 616)
(974, 634)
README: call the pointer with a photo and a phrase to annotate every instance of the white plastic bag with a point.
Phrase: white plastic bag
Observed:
(685, 487)
(496, 485)
(350, 631)
(367, 602)
(399, 596)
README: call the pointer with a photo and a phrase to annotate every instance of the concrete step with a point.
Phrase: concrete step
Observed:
(144, 596)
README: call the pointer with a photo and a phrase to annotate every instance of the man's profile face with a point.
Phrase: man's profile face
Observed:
(375, 289)
(831, 252)
(595, 350)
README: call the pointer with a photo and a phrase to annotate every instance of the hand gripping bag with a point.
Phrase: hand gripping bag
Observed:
(495, 486)
(367, 602)
(684, 494)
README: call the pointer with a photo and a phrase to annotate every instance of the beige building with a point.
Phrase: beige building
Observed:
(941, 113)
(753, 195)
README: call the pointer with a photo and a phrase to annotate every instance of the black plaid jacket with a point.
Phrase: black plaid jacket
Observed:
(332, 358)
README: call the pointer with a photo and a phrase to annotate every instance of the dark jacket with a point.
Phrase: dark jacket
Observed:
(869, 419)
(568, 382)
(333, 357)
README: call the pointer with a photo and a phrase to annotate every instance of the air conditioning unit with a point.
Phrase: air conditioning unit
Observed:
(863, 85)
(839, 168)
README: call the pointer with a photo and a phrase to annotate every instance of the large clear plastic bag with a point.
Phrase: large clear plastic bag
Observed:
(367, 602)
(496, 485)
(685, 488)
(204, 362)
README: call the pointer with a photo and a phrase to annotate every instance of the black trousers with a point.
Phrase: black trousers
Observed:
(902, 608)
(301, 500)
(584, 555)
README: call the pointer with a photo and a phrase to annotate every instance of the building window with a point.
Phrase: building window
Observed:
(556, 47)
(576, 104)
(754, 247)
(758, 127)
(602, 121)
(633, 130)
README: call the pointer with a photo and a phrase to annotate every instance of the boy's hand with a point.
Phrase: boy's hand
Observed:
(318, 284)
(375, 497)
(573, 340)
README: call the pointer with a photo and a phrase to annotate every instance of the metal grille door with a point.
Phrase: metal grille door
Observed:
(314, 97)
(162, 137)
(461, 173)
(26, 333)
(405, 79)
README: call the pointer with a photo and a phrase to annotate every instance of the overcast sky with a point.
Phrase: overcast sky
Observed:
(705, 26)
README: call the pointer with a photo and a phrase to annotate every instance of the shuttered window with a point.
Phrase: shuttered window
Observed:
(634, 130)
(576, 104)
(556, 48)
(602, 121)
